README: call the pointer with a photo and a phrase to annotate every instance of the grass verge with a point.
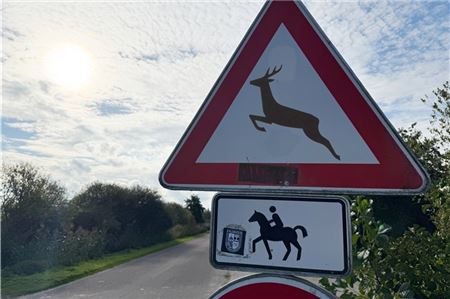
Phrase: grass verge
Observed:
(16, 285)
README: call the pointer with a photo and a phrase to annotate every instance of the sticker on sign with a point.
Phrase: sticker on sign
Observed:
(307, 235)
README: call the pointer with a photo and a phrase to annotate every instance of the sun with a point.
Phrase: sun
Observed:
(69, 66)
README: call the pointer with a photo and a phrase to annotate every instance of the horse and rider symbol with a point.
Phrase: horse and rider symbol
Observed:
(278, 232)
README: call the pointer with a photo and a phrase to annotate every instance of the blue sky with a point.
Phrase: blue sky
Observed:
(151, 64)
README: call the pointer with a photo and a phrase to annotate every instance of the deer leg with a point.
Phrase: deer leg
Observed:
(263, 119)
(267, 248)
(256, 241)
(314, 135)
(288, 251)
(299, 249)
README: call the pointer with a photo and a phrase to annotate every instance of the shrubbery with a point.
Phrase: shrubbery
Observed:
(27, 267)
(127, 217)
(411, 260)
(42, 229)
(401, 246)
(187, 230)
(32, 210)
(79, 245)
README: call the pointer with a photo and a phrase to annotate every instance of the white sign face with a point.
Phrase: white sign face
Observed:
(304, 235)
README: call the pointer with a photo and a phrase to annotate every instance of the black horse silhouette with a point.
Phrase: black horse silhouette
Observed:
(286, 234)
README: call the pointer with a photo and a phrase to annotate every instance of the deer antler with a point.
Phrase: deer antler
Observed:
(275, 71)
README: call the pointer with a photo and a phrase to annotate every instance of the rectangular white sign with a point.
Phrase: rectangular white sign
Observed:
(307, 235)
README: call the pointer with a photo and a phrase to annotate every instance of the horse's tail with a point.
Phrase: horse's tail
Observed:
(304, 232)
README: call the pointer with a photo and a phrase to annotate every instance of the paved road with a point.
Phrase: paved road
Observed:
(182, 271)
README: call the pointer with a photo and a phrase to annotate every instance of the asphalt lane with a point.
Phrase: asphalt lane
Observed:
(182, 271)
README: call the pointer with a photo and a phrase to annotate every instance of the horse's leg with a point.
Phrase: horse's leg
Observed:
(256, 241)
(267, 248)
(299, 249)
(288, 247)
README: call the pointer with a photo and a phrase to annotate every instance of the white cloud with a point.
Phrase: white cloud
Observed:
(162, 58)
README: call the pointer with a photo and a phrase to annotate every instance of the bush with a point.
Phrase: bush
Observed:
(32, 213)
(79, 246)
(28, 267)
(178, 214)
(179, 231)
(40, 229)
(414, 260)
(128, 217)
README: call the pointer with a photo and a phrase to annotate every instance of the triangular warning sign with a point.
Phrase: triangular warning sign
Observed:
(288, 114)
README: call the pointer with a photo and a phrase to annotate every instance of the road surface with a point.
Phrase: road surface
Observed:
(182, 271)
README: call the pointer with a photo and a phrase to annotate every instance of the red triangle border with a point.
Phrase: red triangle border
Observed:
(398, 171)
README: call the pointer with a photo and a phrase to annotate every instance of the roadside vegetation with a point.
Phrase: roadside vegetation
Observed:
(47, 239)
(16, 285)
(401, 245)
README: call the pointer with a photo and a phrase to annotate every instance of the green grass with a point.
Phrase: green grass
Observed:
(16, 285)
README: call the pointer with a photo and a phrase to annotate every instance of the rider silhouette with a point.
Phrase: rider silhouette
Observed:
(275, 218)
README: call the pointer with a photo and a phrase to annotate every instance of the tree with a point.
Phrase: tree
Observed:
(437, 200)
(178, 214)
(414, 263)
(32, 212)
(207, 216)
(194, 205)
(128, 217)
(93, 208)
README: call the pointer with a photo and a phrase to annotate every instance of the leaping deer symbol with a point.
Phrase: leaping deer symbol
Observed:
(285, 116)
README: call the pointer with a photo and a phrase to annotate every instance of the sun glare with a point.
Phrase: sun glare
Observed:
(69, 66)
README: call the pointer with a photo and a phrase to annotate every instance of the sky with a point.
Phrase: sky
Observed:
(103, 90)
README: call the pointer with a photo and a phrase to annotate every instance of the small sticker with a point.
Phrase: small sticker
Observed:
(233, 240)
